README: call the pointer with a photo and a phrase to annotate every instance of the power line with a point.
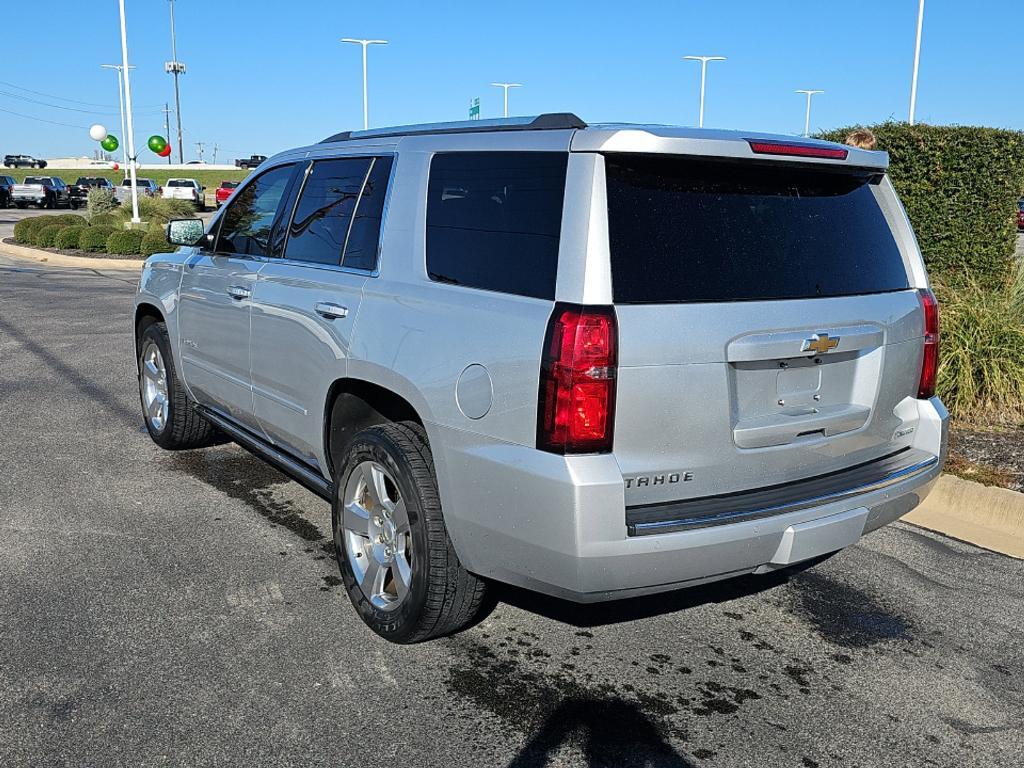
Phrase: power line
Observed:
(70, 101)
(42, 120)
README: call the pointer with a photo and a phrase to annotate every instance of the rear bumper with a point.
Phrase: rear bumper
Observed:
(558, 525)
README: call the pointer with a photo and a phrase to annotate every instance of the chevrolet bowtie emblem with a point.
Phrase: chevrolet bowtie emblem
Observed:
(820, 343)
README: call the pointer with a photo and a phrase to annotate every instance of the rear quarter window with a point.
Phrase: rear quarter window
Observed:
(494, 220)
(687, 230)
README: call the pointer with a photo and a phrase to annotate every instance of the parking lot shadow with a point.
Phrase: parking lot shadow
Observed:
(608, 732)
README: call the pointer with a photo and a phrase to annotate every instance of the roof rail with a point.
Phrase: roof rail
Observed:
(552, 121)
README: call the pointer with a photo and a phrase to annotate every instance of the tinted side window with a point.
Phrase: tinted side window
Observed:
(321, 220)
(494, 218)
(245, 227)
(364, 234)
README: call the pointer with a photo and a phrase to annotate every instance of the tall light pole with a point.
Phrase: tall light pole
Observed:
(917, 61)
(807, 119)
(175, 68)
(703, 78)
(366, 44)
(120, 99)
(506, 86)
(130, 133)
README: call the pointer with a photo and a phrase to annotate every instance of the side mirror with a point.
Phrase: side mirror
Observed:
(186, 232)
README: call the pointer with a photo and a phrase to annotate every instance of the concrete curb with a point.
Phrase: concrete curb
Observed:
(992, 518)
(60, 260)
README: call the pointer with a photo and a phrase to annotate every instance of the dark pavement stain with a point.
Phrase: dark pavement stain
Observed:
(250, 480)
(844, 615)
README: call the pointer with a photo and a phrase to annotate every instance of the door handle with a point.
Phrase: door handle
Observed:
(330, 311)
(239, 292)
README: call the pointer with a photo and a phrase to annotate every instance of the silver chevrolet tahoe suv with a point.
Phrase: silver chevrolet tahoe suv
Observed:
(596, 361)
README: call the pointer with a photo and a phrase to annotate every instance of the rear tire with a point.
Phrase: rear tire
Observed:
(397, 562)
(170, 415)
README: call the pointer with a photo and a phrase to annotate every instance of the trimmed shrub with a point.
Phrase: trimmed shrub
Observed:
(960, 186)
(100, 201)
(105, 220)
(69, 220)
(94, 239)
(981, 359)
(44, 236)
(67, 238)
(155, 241)
(127, 242)
(25, 228)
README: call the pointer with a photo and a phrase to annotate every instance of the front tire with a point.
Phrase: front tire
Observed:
(397, 562)
(171, 418)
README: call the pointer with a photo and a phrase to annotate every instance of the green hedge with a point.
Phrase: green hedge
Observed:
(127, 242)
(67, 238)
(156, 209)
(25, 228)
(94, 239)
(155, 242)
(960, 186)
(105, 220)
(43, 237)
(68, 220)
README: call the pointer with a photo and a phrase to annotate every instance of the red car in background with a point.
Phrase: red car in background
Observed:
(224, 191)
(1020, 215)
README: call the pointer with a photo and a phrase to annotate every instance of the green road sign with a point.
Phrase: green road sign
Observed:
(474, 109)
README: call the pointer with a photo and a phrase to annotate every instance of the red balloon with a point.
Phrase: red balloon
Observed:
(115, 167)
(166, 151)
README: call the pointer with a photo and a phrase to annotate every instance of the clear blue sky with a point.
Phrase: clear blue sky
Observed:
(263, 76)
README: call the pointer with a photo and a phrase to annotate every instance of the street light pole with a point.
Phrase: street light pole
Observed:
(807, 119)
(917, 61)
(365, 44)
(703, 77)
(120, 99)
(128, 112)
(506, 86)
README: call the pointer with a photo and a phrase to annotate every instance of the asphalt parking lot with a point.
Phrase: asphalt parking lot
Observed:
(185, 609)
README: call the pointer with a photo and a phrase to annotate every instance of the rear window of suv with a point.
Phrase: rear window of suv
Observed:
(686, 230)
(494, 220)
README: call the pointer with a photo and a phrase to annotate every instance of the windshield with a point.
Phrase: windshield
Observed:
(686, 230)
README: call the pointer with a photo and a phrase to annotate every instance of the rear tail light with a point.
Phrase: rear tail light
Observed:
(930, 361)
(576, 409)
(794, 149)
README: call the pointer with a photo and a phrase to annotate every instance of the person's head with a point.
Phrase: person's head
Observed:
(862, 138)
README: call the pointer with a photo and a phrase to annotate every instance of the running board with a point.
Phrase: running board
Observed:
(259, 447)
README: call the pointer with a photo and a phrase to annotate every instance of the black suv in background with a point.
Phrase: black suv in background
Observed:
(6, 182)
(23, 161)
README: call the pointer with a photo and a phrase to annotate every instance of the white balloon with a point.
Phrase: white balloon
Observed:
(98, 132)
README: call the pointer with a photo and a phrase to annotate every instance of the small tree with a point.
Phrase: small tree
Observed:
(101, 201)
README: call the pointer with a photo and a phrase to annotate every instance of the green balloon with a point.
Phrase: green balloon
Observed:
(157, 143)
(110, 143)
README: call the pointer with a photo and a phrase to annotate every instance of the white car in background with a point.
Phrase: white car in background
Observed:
(185, 189)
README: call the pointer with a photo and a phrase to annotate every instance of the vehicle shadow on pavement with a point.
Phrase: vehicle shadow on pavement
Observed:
(607, 732)
(631, 609)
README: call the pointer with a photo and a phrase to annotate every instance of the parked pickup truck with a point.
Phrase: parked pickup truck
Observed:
(224, 191)
(78, 193)
(598, 362)
(185, 189)
(42, 191)
(250, 162)
(146, 187)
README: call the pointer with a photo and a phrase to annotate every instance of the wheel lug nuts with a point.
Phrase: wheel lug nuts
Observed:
(376, 520)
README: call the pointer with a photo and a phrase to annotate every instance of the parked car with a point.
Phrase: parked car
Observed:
(41, 191)
(78, 193)
(6, 187)
(146, 187)
(1020, 215)
(185, 189)
(224, 191)
(598, 362)
(250, 162)
(23, 161)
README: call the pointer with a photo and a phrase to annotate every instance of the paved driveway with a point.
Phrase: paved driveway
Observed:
(184, 609)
